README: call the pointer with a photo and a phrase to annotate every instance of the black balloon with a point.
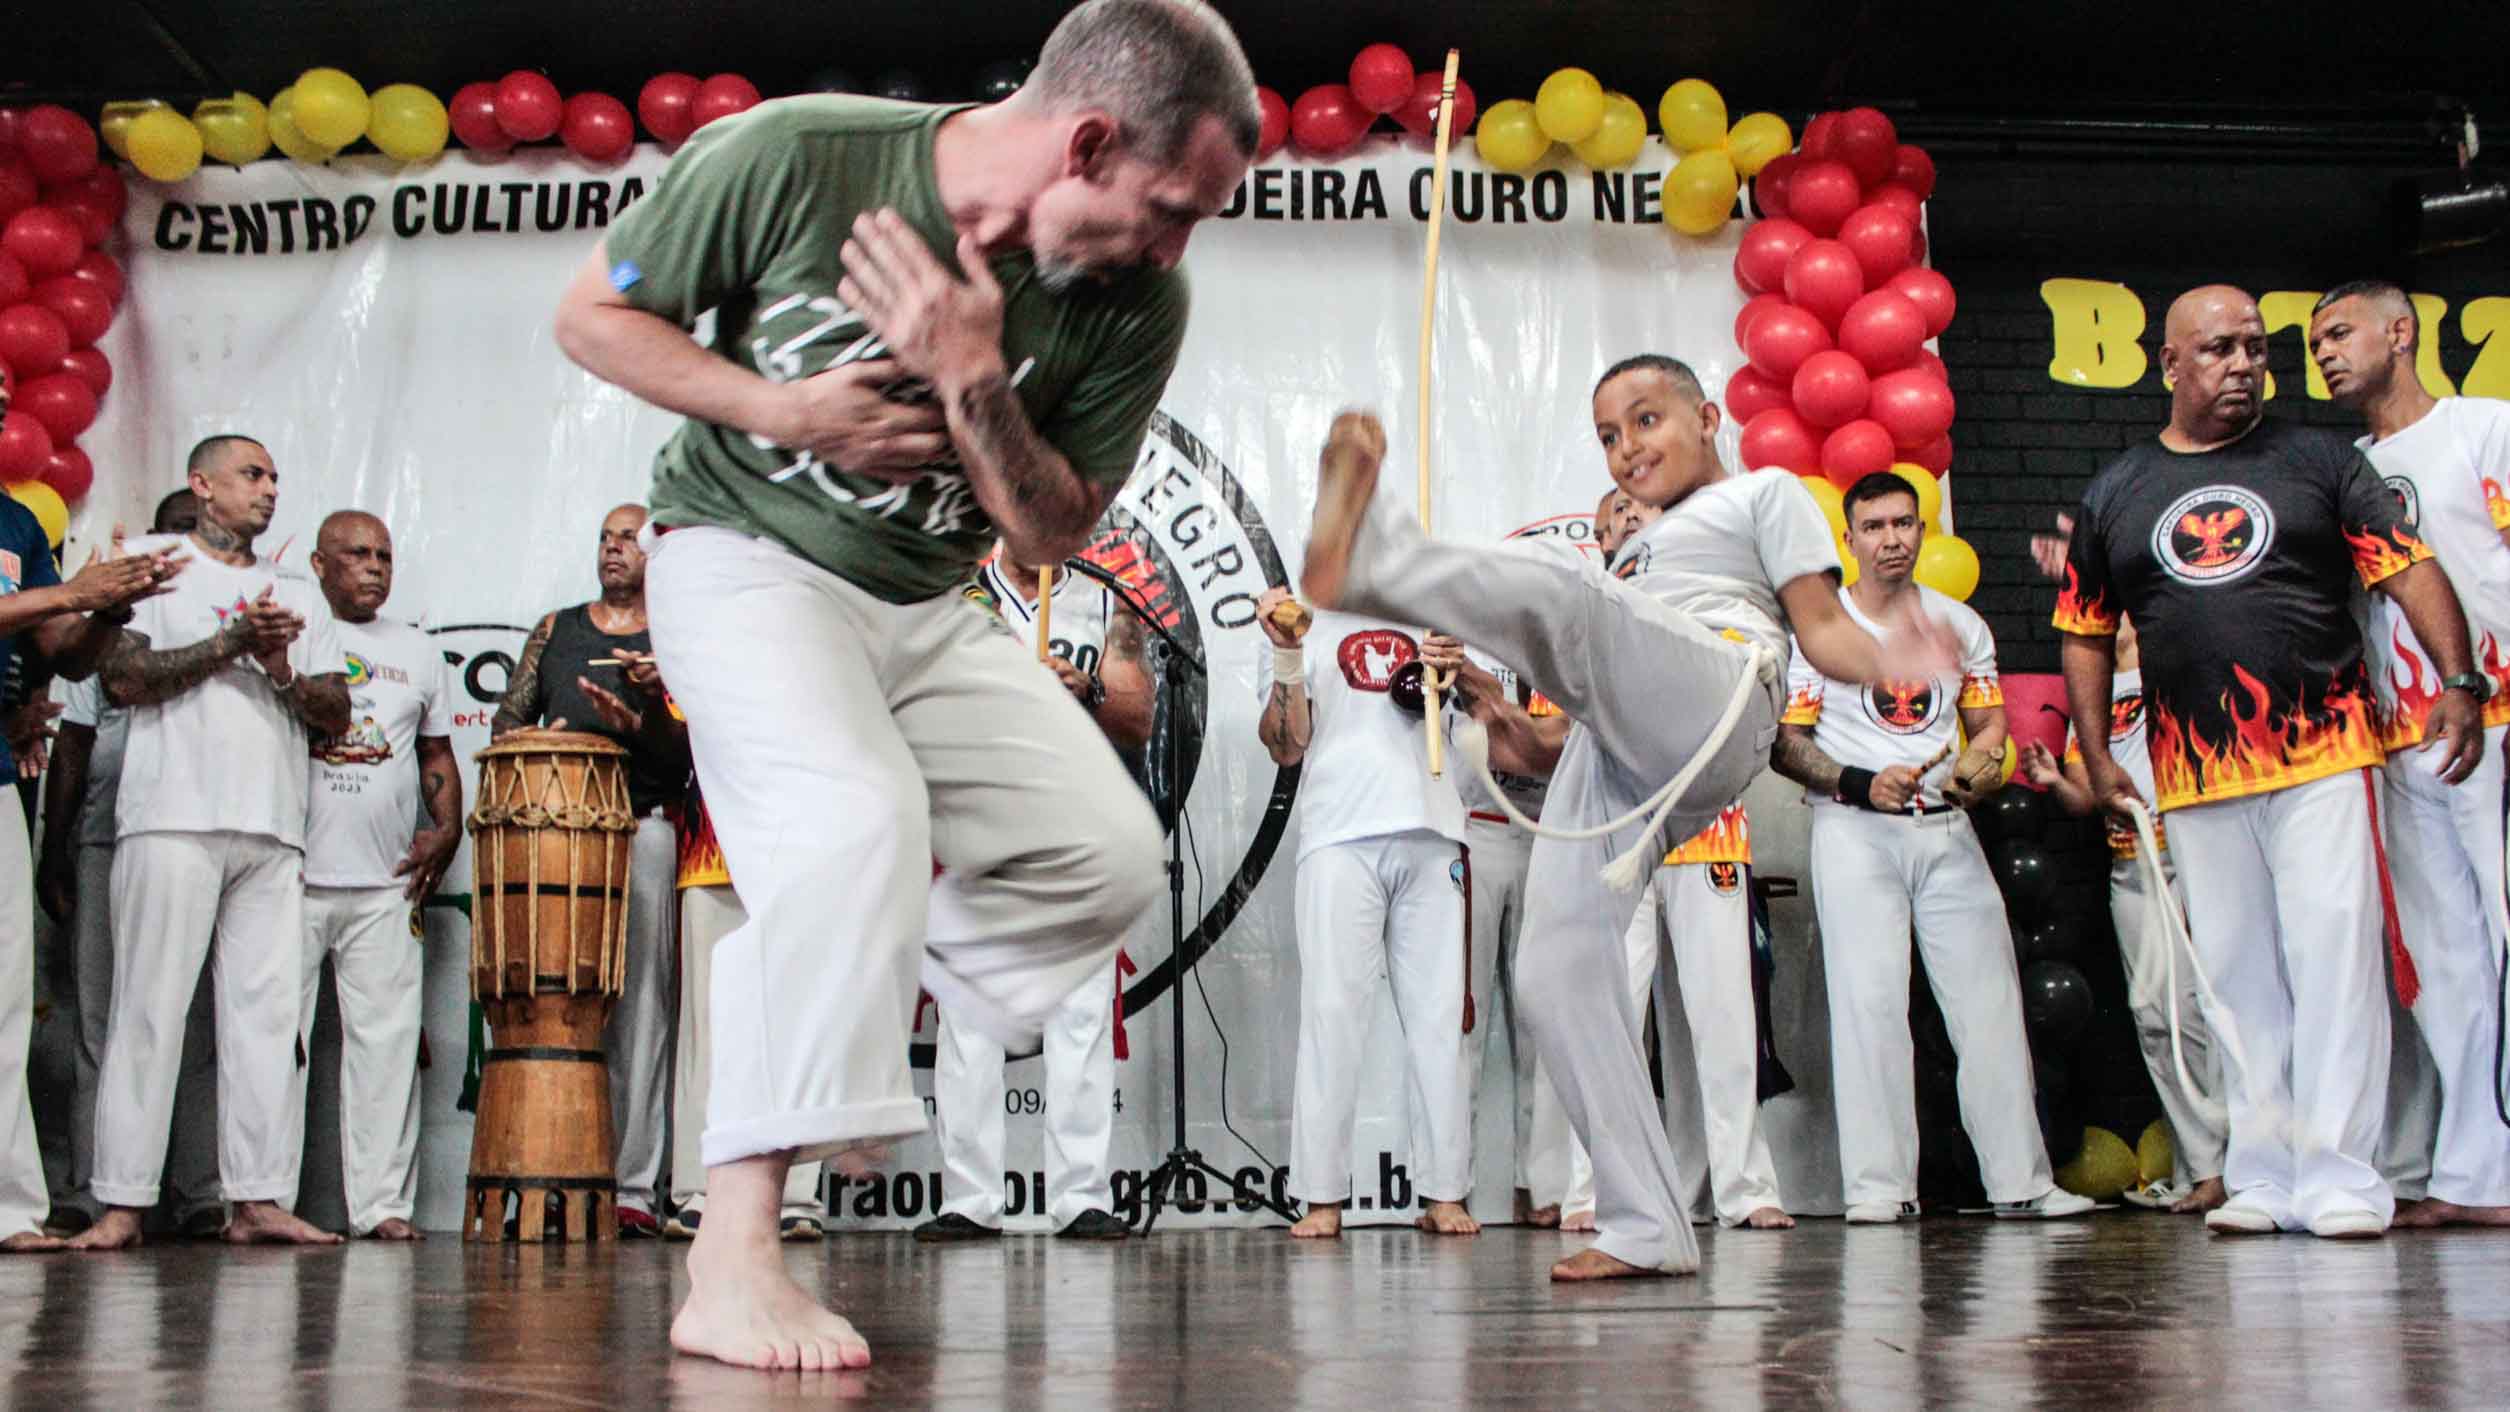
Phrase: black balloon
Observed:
(831, 80)
(997, 81)
(2056, 1004)
(1405, 688)
(2014, 813)
(900, 84)
(2028, 879)
(2060, 936)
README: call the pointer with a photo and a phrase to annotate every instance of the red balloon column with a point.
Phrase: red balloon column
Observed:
(58, 295)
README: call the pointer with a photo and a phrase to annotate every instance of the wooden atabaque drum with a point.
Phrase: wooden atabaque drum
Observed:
(550, 841)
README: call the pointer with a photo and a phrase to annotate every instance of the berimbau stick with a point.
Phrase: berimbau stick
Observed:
(1430, 679)
(1045, 610)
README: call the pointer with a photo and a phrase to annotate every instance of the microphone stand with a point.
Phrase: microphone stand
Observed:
(1167, 654)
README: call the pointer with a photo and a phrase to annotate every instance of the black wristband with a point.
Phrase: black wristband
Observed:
(1855, 787)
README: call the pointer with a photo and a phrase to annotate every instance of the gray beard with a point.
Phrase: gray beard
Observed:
(1061, 276)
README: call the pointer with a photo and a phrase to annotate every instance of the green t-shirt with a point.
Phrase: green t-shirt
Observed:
(748, 223)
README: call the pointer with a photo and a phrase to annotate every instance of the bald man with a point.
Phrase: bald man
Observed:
(2235, 543)
(591, 668)
(368, 865)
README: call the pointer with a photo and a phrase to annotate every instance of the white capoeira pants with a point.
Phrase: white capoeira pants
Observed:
(24, 1200)
(1877, 877)
(1381, 909)
(192, 1146)
(2445, 859)
(846, 743)
(1078, 1127)
(1645, 683)
(1499, 854)
(2197, 1134)
(2283, 905)
(707, 916)
(235, 902)
(641, 1028)
(377, 966)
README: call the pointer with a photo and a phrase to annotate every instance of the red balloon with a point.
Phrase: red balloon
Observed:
(528, 106)
(1820, 142)
(1748, 394)
(69, 473)
(18, 187)
(1883, 241)
(1935, 455)
(1276, 122)
(1822, 195)
(1381, 78)
(1419, 113)
(663, 106)
(597, 127)
(1769, 189)
(1753, 308)
(1868, 143)
(92, 367)
(104, 187)
(85, 309)
(1778, 437)
(1781, 339)
(63, 402)
(1931, 293)
(98, 268)
(33, 340)
(1760, 262)
(84, 213)
(24, 446)
(1913, 405)
(1892, 196)
(722, 96)
(57, 143)
(44, 240)
(14, 286)
(1328, 120)
(473, 115)
(1927, 361)
(1823, 280)
(1913, 170)
(1854, 452)
(12, 122)
(1829, 390)
(1883, 331)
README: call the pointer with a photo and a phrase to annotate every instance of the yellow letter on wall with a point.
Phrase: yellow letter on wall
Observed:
(2486, 324)
(2094, 325)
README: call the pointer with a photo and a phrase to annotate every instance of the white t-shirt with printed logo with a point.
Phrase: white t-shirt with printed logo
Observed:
(1724, 552)
(2449, 470)
(364, 785)
(227, 754)
(1367, 767)
(1877, 726)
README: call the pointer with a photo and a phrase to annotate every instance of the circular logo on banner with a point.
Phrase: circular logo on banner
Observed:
(1902, 707)
(2409, 503)
(2213, 535)
(2126, 715)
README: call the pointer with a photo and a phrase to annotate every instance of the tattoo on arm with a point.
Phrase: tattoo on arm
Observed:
(1288, 724)
(1041, 494)
(440, 781)
(1796, 757)
(521, 705)
(136, 674)
(1125, 639)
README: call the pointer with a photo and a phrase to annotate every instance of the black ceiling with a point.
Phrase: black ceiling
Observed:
(2290, 62)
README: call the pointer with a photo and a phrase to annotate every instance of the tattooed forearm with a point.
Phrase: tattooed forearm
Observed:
(322, 702)
(1288, 724)
(135, 674)
(520, 707)
(1023, 483)
(1796, 757)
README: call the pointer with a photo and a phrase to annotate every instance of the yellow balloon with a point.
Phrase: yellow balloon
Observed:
(285, 134)
(1693, 115)
(331, 109)
(2105, 1166)
(1826, 496)
(1699, 195)
(1510, 137)
(1947, 564)
(1757, 140)
(114, 123)
(2013, 759)
(46, 504)
(233, 129)
(164, 145)
(1930, 495)
(2155, 1154)
(1619, 137)
(406, 122)
(1569, 105)
(1848, 569)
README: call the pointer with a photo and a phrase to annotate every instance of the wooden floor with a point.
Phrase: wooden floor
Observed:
(2116, 1312)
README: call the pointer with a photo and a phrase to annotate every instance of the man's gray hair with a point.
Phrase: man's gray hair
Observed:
(1158, 66)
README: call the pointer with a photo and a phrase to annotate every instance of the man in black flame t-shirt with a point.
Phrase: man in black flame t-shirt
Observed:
(2234, 543)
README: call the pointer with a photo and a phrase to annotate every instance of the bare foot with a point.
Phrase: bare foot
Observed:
(395, 1228)
(1448, 1218)
(1578, 1220)
(263, 1223)
(1544, 1218)
(745, 1310)
(2204, 1197)
(2432, 1211)
(25, 1241)
(1346, 480)
(1770, 1218)
(1593, 1264)
(117, 1229)
(1323, 1221)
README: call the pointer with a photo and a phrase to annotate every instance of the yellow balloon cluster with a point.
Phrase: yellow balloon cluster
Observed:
(2105, 1167)
(114, 124)
(331, 109)
(2155, 1154)
(311, 120)
(164, 145)
(1570, 106)
(406, 122)
(234, 129)
(1618, 138)
(1947, 564)
(1510, 136)
(288, 137)
(1715, 158)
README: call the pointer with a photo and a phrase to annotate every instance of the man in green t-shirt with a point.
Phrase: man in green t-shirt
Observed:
(925, 327)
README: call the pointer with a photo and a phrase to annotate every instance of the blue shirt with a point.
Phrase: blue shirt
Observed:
(25, 562)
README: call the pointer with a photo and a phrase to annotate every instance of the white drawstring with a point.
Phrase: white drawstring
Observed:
(2175, 939)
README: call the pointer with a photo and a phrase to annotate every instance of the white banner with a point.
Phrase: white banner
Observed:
(386, 331)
